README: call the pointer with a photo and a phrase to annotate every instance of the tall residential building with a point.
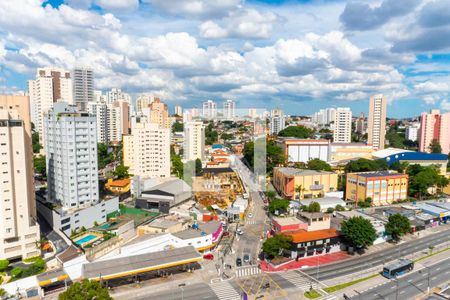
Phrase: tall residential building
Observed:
(377, 121)
(50, 86)
(324, 116)
(117, 120)
(99, 97)
(146, 151)
(19, 227)
(434, 126)
(277, 121)
(343, 125)
(116, 94)
(412, 132)
(178, 110)
(229, 109)
(194, 140)
(360, 124)
(83, 87)
(209, 109)
(158, 113)
(143, 101)
(252, 113)
(100, 111)
(71, 155)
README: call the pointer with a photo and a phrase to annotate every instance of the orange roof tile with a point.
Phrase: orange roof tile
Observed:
(301, 236)
(120, 183)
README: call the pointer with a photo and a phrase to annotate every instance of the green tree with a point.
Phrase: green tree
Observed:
(274, 154)
(365, 165)
(330, 210)
(421, 179)
(278, 204)
(339, 208)
(3, 293)
(104, 156)
(177, 127)
(276, 244)
(198, 167)
(397, 226)
(4, 263)
(400, 167)
(366, 203)
(271, 195)
(85, 290)
(318, 165)
(358, 231)
(39, 263)
(435, 147)
(211, 135)
(300, 132)
(16, 272)
(177, 165)
(226, 136)
(35, 142)
(299, 189)
(314, 207)
(40, 165)
(121, 172)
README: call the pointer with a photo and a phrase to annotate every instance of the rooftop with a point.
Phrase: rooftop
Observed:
(120, 183)
(286, 171)
(380, 174)
(203, 229)
(388, 152)
(172, 187)
(162, 223)
(139, 263)
(324, 201)
(301, 236)
(286, 221)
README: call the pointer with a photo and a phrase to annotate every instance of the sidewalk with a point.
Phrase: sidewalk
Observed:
(305, 262)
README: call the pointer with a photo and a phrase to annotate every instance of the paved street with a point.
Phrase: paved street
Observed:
(379, 258)
(410, 285)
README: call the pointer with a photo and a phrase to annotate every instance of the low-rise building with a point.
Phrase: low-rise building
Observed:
(343, 151)
(288, 224)
(162, 225)
(309, 243)
(418, 158)
(303, 150)
(118, 186)
(315, 221)
(382, 187)
(325, 203)
(377, 224)
(295, 183)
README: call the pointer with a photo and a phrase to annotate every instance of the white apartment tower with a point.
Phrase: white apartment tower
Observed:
(209, 109)
(83, 87)
(178, 110)
(146, 151)
(100, 111)
(412, 132)
(377, 121)
(19, 228)
(277, 121)
(50, 86)
(194, 140)
(117, 95)
(342, 125)
(71, 155)
(229, 110)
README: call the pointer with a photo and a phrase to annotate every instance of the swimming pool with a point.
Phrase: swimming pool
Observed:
(86, 239)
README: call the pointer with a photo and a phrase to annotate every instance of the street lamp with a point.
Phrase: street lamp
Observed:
(181, 285)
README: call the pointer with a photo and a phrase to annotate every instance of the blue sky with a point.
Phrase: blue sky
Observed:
(300, 55)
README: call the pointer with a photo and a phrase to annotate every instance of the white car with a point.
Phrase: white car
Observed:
(239, 231)
(250, 215)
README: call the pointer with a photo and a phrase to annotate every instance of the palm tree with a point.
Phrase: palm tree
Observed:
(299, 189)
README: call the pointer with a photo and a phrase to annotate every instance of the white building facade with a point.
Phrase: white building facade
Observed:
(412, 132)
(229, 109)
(83, 87)
(194, 141)
(343, 125)
(277, 121)
(209, 109)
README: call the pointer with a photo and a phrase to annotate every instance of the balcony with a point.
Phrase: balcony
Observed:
(316, 187)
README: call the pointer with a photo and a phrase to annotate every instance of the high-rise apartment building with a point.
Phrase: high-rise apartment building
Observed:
(50, 86)
(83, 87)
(229, 109)
(71, 155)
(178, 110)
(209, 109)
(194, 140)
(277, 121)
(434, 126)
(117, 120)
(146, 151)
(343, 125)
(99, 96)
(116, 94)
(158, 113)
(412, 132)
(360, 124)
(252, 113)
(19, 228)
(324, 116)
(143, 101)
(377, 121)
(100, 111)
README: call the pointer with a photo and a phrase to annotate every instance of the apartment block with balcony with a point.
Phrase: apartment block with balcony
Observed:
(295, 183)
(384, 187)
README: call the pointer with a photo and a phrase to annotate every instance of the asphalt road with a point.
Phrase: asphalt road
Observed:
(189, 292)
(378, 258)
(410, 285)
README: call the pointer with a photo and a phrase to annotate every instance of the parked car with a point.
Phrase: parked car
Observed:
(208, 256)
(226, 233)
(238, 262)
(250, 215)
(239, 231)
(246, 258)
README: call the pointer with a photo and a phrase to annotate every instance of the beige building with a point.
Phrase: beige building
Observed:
(19, 229)
(118, 120)
(157, 112)
(162, 225)
(51, 85)
(194, 141)
(343, 125)
(377, 121)
(146, 151)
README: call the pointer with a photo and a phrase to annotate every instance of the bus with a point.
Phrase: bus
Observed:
(400, 267)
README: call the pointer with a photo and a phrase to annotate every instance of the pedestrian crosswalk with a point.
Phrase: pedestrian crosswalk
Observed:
(225, 291)
(250, 222)
(247, 271)
(299, 280)
(329, 297)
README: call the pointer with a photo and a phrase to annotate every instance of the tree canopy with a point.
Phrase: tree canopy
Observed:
(397, 226)
(40, 165)
(274, 154)
(4, 263)
(121, 172)
(359, 231)
(279, 204)
(85, 290)
(435, 147)
(312, 207)
(318, 165)
(300, 132)
(366, 165)
(104, 156)
(35, 142)
(211, 135)
(177, 127)
(422, 178)
(274, 245)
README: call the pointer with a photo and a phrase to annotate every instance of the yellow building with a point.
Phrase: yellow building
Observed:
(343, 151)
(383, 187)
(295, 183)
(118, 186)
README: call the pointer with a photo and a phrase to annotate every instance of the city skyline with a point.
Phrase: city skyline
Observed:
(245, 51)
